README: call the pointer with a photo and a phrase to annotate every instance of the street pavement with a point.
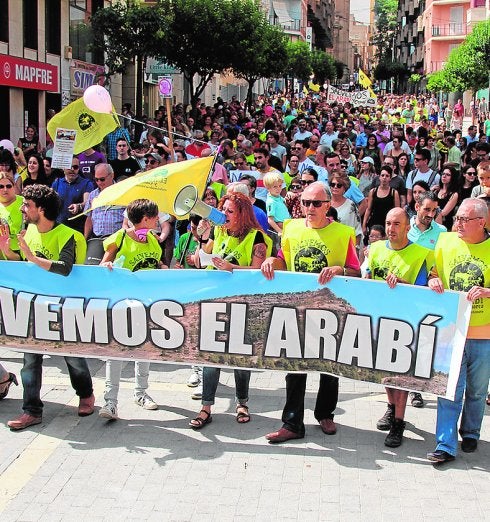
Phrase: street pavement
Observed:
(149, 465)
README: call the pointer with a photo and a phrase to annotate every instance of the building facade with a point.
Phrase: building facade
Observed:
(45, 60)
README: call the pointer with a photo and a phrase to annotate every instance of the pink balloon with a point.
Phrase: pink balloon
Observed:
(98, 99)
(268, 110)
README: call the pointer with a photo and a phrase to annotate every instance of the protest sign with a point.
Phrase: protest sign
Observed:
(409, 337)
(355, 98)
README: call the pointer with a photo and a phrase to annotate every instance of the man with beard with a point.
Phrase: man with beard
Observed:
(56, 248)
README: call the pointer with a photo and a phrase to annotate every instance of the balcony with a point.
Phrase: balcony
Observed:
(449, 30)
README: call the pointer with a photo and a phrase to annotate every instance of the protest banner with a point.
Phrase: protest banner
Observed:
(409, 337)
(355, 98)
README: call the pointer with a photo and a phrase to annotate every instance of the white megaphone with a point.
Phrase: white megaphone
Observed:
(187, 201)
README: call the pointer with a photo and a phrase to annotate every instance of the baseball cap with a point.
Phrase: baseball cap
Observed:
(367, 160)
(154, 155)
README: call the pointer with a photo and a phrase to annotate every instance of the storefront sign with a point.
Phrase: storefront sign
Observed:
(28, 74)
(83, 75)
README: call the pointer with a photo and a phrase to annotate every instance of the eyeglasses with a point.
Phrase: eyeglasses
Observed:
(151, 162)
(336, 185)
(239, 164)
(75, 167)
(481, 154)
(464, 220)
(307, 181)
(101, 180)
(470, 173)
(295, 187)
(8, 187)
(418, 159)
(317, 203)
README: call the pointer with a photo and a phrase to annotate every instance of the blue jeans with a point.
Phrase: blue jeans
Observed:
(113, 368)
(474, 376)
(210, 380)
(32, 373)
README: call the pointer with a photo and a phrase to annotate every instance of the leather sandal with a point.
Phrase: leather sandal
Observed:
(11, 379)
(199, 422)
(242, 417)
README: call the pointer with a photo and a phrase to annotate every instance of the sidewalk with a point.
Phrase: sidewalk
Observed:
(149, 465)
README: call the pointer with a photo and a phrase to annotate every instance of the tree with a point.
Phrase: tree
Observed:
(298, 61)
(323, 66)
(385, 27)
(204, 37)
(263, 55)
(470, 62)
(121, 31)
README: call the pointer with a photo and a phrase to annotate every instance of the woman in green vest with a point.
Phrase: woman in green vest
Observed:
(239, 243)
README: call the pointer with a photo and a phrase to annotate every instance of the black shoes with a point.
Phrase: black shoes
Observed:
(469, 445)
(395, 436)
(416, 400)
(440, 456)
(384, 424)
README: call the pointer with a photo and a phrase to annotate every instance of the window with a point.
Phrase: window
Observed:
(53, 26)
(81, 31)
(4, 20)
(29, 16)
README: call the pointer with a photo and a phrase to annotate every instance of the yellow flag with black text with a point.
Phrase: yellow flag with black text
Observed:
(364, 80)
(91, 127)
(162, 185)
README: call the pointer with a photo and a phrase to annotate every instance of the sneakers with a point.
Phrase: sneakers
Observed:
(416, 400)
(384, 424)
(86, 406)
(197, 393)
(195, 377)
(395, 436)
(146, 402)
(108, 411)
(24, 421)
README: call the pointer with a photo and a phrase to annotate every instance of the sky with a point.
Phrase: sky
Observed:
(360, 9)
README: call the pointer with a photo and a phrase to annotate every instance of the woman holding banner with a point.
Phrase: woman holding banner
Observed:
(239, 243)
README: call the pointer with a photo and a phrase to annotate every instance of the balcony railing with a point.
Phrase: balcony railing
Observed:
(451, 29)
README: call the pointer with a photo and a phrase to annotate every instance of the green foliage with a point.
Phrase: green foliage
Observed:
(415, 78)
(323, 66)
(299, 60)
(122, 30)
(388, 69)
(468, 65)
(386, 23)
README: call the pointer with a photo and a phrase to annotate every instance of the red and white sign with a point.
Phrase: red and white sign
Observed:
(28, 74)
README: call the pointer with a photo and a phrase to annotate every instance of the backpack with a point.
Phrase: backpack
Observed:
(431, 179)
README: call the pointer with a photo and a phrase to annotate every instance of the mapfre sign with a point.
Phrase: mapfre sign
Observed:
(28, 74)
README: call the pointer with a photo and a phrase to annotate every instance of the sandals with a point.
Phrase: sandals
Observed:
(199, 422)
(242, 417)
(12, 379)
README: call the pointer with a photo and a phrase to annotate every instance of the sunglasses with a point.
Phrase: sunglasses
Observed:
(75, 167)
(307, 181)
(317, 203)
(470, 173)
(100, 179)
(336, 185)
(295, 187)
(150, 162)
(6, 186)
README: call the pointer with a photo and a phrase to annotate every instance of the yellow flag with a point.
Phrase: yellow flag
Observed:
(372, 93)
(92, 127)
(313, 87)
(161, 185)
(305, 90)
(364, 80)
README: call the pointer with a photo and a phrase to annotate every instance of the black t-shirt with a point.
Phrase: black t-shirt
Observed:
(260, 203)
(127, 168)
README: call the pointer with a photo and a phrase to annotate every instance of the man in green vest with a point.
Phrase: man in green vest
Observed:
(56, 248)
(462, 262)
(320, 245)
(397, 260)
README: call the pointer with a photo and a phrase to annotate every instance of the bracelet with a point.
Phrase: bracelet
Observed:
(345, 271)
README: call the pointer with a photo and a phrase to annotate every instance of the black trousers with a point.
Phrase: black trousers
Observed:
(294, 409)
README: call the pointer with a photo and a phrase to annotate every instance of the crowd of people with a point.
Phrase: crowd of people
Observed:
(395, 192)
